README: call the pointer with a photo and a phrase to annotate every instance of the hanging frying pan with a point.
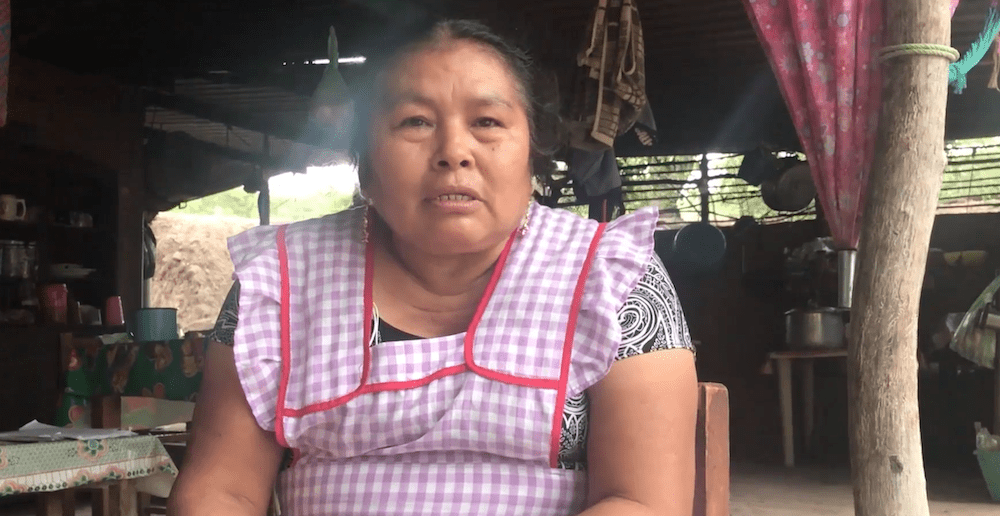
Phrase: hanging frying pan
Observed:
(700, 247)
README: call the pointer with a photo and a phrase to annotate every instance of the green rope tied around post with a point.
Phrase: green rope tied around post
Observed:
(977, 50)
(918, 49)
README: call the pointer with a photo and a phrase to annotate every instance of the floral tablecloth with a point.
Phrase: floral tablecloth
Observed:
(53, 466)
(168, 370)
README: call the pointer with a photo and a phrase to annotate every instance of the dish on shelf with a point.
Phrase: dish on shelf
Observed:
(70, 271)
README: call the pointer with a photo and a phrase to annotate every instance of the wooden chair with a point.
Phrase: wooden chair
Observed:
(711, 495)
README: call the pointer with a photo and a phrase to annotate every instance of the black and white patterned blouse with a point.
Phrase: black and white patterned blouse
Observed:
(651, 320)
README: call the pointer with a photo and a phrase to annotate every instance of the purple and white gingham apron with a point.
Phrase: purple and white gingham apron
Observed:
(463, 424)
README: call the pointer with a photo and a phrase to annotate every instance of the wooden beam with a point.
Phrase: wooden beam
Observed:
(226, 116)
(887, 468)
(261, 160)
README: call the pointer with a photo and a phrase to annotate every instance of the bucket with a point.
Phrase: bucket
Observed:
(989, 462)
(154, 324)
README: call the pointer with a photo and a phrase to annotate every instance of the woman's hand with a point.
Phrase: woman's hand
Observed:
(231, 463)
(641, 447)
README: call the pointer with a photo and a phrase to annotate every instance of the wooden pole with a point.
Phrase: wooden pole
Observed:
(887, 468)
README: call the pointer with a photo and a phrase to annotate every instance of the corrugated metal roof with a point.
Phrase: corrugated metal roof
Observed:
(703, 63)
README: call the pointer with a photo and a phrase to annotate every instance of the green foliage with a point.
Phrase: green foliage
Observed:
(971, 178)
(231, 203)
(730, 198)
(973, 172)
(240, 204)
(288, 209)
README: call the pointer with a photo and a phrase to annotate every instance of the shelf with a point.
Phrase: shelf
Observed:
(100, 230)
(96, 329)
(86, 279)
(18, 230)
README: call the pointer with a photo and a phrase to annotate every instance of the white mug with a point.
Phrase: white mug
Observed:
(12, 208)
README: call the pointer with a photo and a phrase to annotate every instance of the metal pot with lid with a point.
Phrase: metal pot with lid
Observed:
(815, 328)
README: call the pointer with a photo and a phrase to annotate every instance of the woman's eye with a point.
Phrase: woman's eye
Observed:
(413, 122)
(488, 122)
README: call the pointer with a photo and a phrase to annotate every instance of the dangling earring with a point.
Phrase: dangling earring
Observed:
(366, 223)
(523, 230)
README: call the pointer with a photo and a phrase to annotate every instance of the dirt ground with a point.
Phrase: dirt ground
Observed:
(193, 270)
(823, 491)
(804, 491)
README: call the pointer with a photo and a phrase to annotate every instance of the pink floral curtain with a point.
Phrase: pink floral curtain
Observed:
(824, 56)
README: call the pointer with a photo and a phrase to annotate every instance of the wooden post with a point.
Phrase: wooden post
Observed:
(887, 468)
(131, 203)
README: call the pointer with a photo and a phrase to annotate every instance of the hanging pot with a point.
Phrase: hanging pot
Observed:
(699, 248)
(757, 165)
(791, 190)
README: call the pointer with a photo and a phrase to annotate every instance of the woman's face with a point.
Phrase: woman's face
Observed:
(450, 150)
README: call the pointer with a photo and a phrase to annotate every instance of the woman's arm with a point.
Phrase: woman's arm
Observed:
(231, 463)
(641, 448)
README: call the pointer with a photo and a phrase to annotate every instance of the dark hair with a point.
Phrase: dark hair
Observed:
(394, 44)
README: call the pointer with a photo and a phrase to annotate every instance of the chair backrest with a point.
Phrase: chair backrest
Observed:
(712, 463)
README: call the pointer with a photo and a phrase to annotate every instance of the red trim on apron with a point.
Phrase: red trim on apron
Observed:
(574, 312)
(365, 387)
(376, 387)
(470, 335)
(286, 350)
(559, 385)
(369, 321)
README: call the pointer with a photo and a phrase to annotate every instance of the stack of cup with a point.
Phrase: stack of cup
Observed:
(54, 299)
(114, 315)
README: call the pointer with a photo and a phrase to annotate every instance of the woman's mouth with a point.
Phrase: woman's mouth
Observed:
(455, 203)
(455, 197)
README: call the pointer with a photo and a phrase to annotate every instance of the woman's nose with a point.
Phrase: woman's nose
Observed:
(454, 148)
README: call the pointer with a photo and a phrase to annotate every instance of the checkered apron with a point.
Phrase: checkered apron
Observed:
(462, 424)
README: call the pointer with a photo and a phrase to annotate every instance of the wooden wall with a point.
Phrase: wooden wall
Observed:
(99, 121)
(88, 123)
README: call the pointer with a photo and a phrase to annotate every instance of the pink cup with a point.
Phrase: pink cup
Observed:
(114, 315)
(53, 300)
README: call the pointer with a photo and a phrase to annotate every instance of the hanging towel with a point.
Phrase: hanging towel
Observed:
(611, 93)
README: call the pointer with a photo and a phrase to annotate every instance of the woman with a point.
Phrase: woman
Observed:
(452, 348)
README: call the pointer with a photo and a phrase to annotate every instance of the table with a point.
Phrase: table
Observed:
(53, 469)
(784, 359)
